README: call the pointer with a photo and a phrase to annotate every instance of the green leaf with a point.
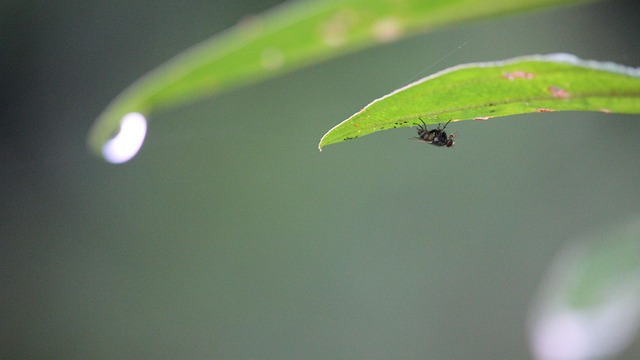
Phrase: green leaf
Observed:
(530, 84)
(289, 37)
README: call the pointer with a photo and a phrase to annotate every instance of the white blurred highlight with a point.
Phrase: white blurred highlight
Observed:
(589, 334)
(126, 144)
(560, 331)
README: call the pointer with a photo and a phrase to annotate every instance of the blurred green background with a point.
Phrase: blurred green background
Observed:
(231, 237)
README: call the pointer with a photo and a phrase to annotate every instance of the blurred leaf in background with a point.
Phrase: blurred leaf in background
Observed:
(589, 304)
(288, 37)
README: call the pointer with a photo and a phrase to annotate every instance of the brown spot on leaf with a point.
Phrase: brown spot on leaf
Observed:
(272, 59)
(517, 75)
(558, 93)
(335, 31)
(386, 30)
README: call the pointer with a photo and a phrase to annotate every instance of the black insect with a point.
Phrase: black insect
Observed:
(435, 137)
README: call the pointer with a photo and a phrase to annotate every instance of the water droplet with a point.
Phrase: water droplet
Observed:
(126, 144)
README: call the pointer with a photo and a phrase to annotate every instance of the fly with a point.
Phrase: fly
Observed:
(435, 137)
